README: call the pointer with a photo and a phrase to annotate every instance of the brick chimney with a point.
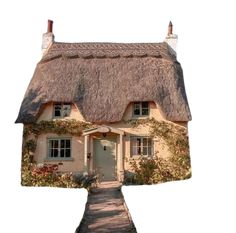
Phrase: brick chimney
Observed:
(171, 39)
(48, 37)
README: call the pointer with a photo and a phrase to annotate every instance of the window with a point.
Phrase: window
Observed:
(141, 109)
(59, 148)
(62, 110)
(141, 146)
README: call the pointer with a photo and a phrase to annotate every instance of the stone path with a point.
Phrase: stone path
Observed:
(106, 211)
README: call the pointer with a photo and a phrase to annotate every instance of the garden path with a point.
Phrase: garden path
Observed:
(106, 211)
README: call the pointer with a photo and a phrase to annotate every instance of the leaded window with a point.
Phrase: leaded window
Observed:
(141, 109)
(62, 110)
(59, 148)
(141, 146)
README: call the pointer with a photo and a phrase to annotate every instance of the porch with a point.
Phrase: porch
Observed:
(104, 152)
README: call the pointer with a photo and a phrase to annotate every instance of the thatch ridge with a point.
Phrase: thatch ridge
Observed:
(103, 78)
(109, 50)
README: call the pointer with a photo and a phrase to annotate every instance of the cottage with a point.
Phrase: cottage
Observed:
(102, 88)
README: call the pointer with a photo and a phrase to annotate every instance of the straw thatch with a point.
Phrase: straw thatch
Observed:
(103, 78)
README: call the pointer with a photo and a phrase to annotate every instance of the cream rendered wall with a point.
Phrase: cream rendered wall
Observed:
(155, 112)
(160, 149)
(47, 113)
(76, 162)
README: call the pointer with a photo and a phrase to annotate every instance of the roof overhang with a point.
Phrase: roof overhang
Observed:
(103, 129)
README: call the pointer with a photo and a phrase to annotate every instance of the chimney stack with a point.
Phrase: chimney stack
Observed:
(48, 37)
(171, 39)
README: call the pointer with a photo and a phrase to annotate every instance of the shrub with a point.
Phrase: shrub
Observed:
(48, 175)
(157, 170)
(144, 170)
(86, 181)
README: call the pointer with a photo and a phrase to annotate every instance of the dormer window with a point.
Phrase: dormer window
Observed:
(141, 109)
(62, 110)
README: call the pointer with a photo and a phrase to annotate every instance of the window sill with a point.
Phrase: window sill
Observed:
(58, 159)
(140, 117)
(136, 157)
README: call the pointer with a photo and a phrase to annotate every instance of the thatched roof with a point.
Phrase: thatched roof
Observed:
(103, 78)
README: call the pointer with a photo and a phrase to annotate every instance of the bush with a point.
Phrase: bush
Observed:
(86, 181)
(157, 170)
(144, 170)
(48, 175)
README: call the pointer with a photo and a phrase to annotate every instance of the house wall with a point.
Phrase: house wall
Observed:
(77, 164)
(155, 112)
(73, 165)
(46, 114)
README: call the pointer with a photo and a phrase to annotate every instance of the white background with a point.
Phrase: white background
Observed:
(206, 50)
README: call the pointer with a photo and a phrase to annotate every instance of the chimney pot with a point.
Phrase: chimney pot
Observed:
(170, 28)
(50, 24)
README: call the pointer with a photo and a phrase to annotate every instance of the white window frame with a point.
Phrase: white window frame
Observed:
(59, 149)
(140, 104)
(62, 110)
(134, 138)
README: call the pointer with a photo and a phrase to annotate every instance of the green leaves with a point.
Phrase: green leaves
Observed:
(49, 175)
(72, 127)
(156, 170)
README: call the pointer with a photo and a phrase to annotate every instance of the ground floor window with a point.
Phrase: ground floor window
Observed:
(141, 146)
(59, 148)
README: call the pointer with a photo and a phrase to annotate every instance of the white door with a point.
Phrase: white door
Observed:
(105, 159)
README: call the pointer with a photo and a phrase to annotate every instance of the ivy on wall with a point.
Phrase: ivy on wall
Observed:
(48, 174)
(157, 169)
(72, 127)
(146, 171)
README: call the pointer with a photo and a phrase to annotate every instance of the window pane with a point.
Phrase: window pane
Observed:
(133, 142)
(57, 110)
(145, 141)
(62, 143)
(144, 104)
(50, 144)
(67, 143)
(137, 105)
(67, 152)
(66, 110)
(57, 113)
(50, 152)
(134, 151)
(137, 108)
(144, 150)
(137, 112)
(55, 153)
(149, 142)
(62, 154)
(144, 111)
(138, 141)
(149, 150)
(55, 144)
(138, 150)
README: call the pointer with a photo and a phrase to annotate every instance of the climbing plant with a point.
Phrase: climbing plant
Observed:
(72, 127)
(33, 174)
(156, 169)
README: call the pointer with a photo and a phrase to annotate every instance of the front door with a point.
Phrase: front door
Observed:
(105, 159)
